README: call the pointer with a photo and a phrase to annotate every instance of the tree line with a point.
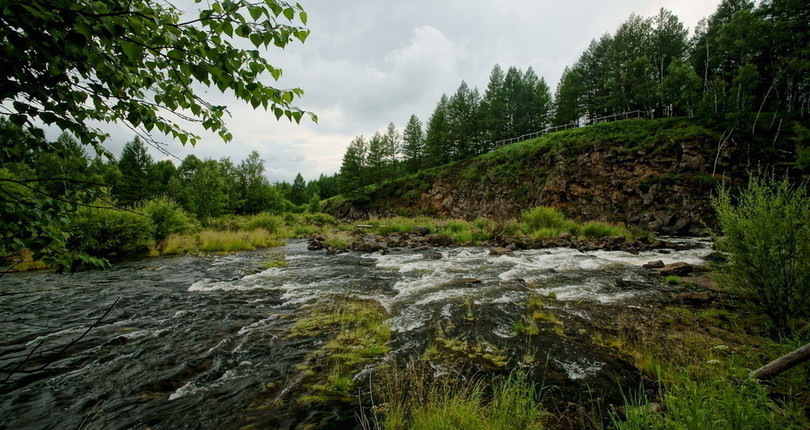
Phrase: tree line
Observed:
(744, 67)
(205, 188)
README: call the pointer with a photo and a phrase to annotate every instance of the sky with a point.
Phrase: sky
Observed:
(372, 62)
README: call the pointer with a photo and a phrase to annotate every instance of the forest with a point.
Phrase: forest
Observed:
(744, 69)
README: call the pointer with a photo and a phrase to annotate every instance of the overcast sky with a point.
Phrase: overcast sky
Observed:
(371, 62)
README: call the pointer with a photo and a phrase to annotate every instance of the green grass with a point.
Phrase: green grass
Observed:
(716, 403)
(412, 400)
(220, 241)
(356, 334)
(700, 361)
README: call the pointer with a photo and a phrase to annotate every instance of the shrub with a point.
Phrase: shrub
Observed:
(766, 232)
(543, 217)
(101, 231)
(269, 222)
(166, 218)
(598, 230)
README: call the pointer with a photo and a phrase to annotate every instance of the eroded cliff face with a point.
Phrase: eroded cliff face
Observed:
(666, 188)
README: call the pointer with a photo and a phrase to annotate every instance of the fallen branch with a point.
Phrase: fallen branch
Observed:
(782, 363)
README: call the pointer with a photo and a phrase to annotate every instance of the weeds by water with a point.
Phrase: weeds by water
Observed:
(699, 363)
(412, 398)
(356, 334)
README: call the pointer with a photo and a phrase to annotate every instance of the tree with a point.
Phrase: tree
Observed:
(493, 107)
(353, 167)
(567, 99)
(437, 137)
(413, 144)
(135, 165)
(70, 62)
(298, 195)
(462, 113)
(392, 144)
(376, 158)
(142, 63)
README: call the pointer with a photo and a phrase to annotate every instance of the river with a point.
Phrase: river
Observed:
(193, 342)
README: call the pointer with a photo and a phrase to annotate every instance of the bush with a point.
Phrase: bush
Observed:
(766, 232)
(269, 222)
(102, 231)
(599, 230)
(166, 218)
(543, 217)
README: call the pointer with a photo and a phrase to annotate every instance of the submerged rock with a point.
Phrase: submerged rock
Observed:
(657, 264)
(499, 251)
(676, 269)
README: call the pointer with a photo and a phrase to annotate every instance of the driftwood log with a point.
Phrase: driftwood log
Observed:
(782, 363)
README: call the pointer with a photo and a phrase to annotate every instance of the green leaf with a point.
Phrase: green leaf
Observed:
(243, 30)
(256, 39)
(226, 28)
(303, 17)
(289, 13)
(255, 12)
(133, 51)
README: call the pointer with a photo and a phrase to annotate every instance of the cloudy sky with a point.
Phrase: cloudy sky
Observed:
(371, 62)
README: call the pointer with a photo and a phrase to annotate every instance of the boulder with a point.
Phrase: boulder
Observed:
(657, 264)
(435, 256)
(440, 240)
(676, 269)
(420, 231)
(500, 251)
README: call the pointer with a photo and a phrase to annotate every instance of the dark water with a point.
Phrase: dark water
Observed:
(193, 342)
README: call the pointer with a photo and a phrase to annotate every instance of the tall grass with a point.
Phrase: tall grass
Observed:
(414, 400)
(713, 403)
(220, 241)
(545, 222)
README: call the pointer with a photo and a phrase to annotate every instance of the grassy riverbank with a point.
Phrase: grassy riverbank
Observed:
(104, 233)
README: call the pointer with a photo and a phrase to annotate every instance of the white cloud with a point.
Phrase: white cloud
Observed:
(372, 62)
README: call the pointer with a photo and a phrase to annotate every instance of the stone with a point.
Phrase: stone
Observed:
(676, 269)
(440, 240)
(657, 264)
(499, 251)
(420, 231)
(435, 256)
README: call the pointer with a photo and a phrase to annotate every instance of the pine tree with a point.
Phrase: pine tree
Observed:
(376, 158)
(298, 195)
(135, 165)
(493, 108)
(392, 142)
(413, 145)
(353, 167)
(437, 137)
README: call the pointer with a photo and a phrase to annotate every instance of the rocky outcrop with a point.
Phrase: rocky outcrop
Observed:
(663, 188)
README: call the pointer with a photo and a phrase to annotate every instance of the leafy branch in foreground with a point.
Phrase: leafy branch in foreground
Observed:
(67, 62)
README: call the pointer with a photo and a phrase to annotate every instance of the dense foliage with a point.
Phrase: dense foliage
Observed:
(766, 233)
(98, 205)
(746, 69)
(67, 62)
(141, 63)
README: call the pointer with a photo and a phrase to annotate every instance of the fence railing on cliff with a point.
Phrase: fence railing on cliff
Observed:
(575, 124)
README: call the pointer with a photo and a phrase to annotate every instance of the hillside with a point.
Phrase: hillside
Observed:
(654, 174)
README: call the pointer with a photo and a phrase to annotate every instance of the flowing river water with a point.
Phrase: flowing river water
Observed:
(193, 342)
